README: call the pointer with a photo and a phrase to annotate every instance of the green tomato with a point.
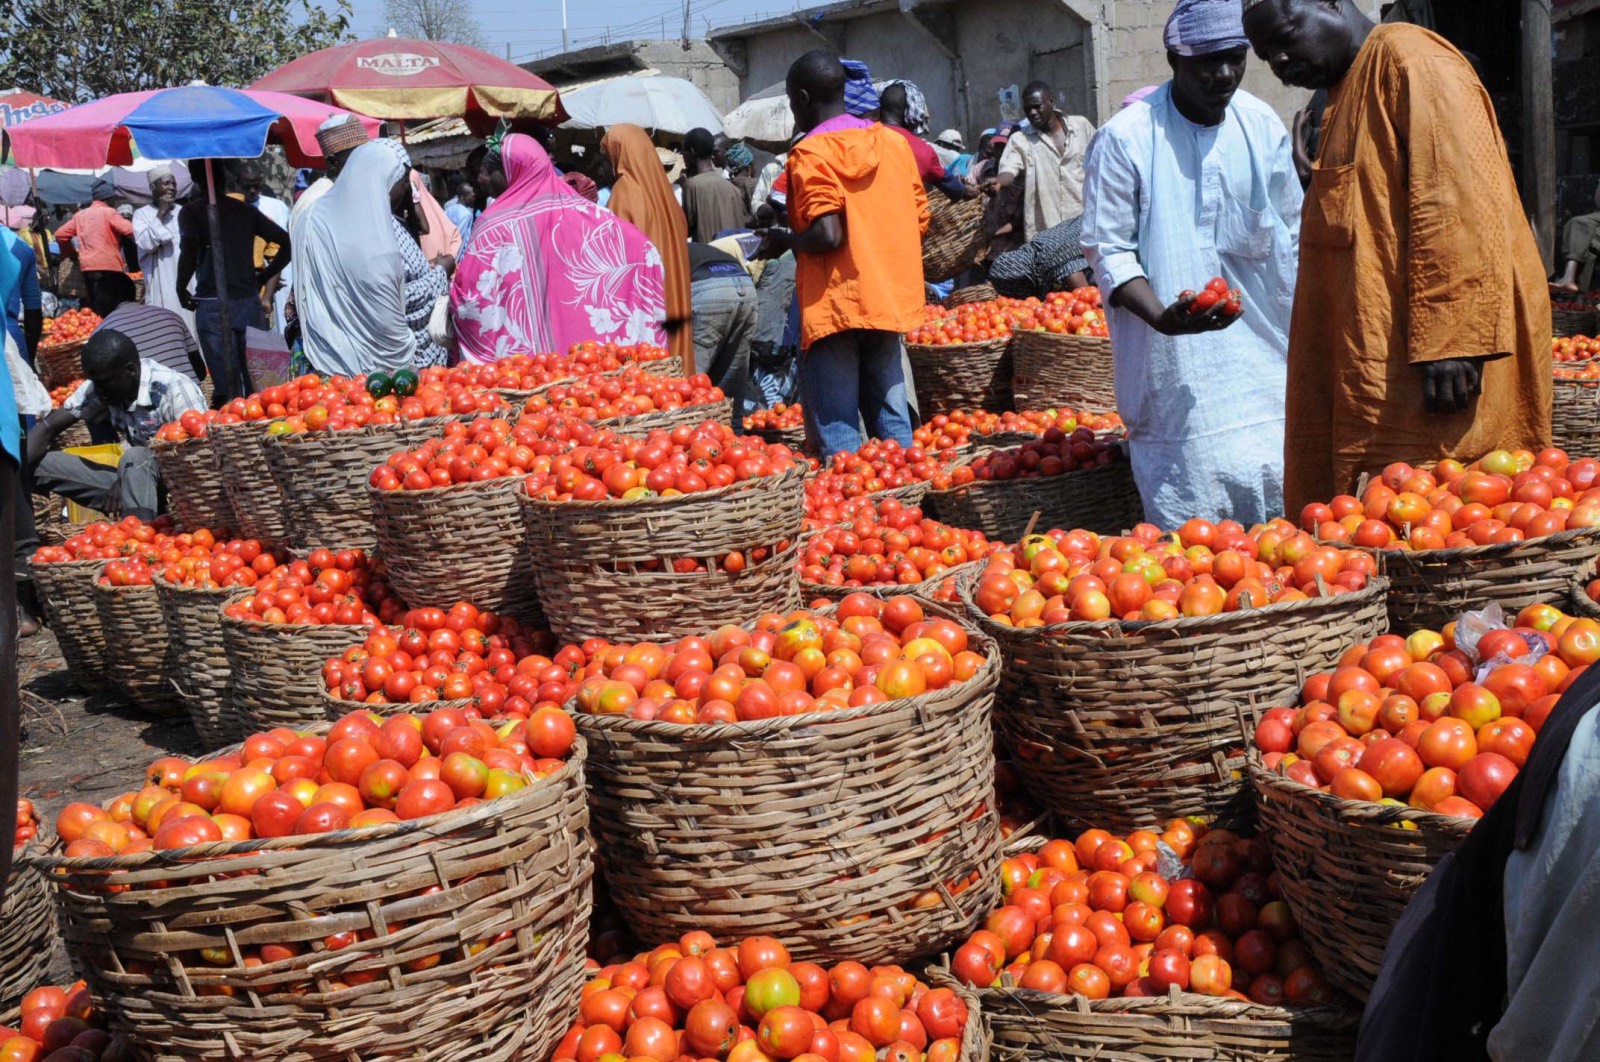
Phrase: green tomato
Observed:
(405, 383)
(771, 988)
(379, 385)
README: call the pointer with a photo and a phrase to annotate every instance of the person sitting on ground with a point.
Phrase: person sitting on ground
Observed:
(137, 395)
(1581, 240)
(902, 108)
(712, 204)
(160, 334)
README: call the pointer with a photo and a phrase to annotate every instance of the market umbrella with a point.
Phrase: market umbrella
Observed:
(195, 121)
(765, 116)
(652, 101)
(400, 78)
(17, 106)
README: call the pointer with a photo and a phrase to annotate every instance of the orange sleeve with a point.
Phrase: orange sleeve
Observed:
(121, 225)
(68, 230)
(814, 189)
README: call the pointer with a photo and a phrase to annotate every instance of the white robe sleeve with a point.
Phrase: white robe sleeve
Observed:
(1111, 190)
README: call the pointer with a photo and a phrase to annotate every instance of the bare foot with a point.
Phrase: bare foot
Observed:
(1564, 287)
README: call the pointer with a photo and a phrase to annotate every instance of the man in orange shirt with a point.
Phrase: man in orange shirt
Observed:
(99, 229)
(858, 208)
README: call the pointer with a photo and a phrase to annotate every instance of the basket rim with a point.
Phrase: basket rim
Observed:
(102, 561)
(977, 344)
(424, 706)
(70, 344)
(1045, 333)
(612, 423)
(1190, 1004)
(1491, 550)
(891, 589)
(459, 818)
(286, 628)
(160, 445)
(485, 485)
(365, 431)
(1362, 811)
(161, 582)
(774, 481)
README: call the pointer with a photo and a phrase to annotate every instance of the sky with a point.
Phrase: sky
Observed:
(533, 27)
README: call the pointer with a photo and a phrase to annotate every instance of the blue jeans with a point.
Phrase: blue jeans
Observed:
(853, 377)
(724, 323)
(230, 378)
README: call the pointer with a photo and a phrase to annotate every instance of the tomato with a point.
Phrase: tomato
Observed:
(1484, 777)
(785, 1031)
(943, 1013)
(877, 1019)
(771, 987)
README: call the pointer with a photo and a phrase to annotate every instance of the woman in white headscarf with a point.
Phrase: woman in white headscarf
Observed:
(362, 288)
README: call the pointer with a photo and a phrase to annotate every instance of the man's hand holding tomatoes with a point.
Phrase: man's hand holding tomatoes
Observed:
(1212, 309)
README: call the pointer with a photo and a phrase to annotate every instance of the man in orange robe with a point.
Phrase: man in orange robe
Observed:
(1421, 322)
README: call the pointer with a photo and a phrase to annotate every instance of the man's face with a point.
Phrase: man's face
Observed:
(164, 188)
(719, 151)
(1209, 81)
(250, 184)
(336, 162)
(1040, 108)
(1305, 42)
(118, 385)
(467, 195)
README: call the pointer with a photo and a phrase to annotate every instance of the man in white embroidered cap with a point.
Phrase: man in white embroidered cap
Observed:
(1191, 183)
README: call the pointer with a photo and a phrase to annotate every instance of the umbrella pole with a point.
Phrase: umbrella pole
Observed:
(219, 276)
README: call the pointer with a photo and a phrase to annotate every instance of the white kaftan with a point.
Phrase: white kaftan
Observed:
(1180, 203)
(157, 240)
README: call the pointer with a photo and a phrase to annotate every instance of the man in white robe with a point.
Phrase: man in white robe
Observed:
(155, 233)
(1193, 182)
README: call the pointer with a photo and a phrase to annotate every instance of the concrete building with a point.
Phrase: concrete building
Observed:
(698, 64)
(962, 53)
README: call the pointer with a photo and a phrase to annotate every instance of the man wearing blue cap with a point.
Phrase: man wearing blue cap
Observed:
(1193, 182)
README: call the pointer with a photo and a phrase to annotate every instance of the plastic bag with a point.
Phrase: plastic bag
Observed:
(1472, 626)
(33, 400)
(267, 357)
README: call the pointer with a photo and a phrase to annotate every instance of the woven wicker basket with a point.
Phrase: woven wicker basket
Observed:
(336, 708)
(1575, 415)
(1581, 604)
(50, 520)
(975, 293)
(197, 662)
(643, 424)
(66, 590)
(60, 363)
(1431, 588)
(1054, 370)
(28, 938)
(823, 829)
(277, 669)
(962, 376)
(476, 923)
(253, 495)
(1350, 867)
(323, 477)
(137, 646)
(194, 482)
(927, 590)
(464, 542)
(955, 240)
(1104, 499)
(74, 434)
(793, 438)
(1118, 725)
(1562, 322)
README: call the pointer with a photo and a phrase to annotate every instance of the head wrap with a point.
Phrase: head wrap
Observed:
(860, 97)
(157, 172)
(1204, 27)
(583, 186)
(1136, 95)
(341, 133)
(103, 188)
(740, 155)
(916, 107)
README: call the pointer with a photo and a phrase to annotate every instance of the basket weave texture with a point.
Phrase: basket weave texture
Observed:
(1104, 499)
(66, 590)
(1119, 725)
(464, 542)
(962, 376)
(1056, 369)
(336, 708)
(1568, 322)
(277, 669)
(1575, 414)
(927, 590)
(642, 424)
(975, 293)
(253, 495)
(194, 482)
(821, 829)
(323, 478)
(1431, 588)
(1350, 866)
(26, 943)
(137, 646)
(793, 438)
(61, 363)
(197, 660)
(485, 965)
(955, 240)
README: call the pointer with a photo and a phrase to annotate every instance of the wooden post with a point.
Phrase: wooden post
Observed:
(1538, 126)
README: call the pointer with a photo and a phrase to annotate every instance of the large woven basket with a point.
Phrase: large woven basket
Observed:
(137, 647)
(1431, 588)
(1567, 322)
(60, 363)
(643, 424)
(955, 239)
(464, 542)
(793, 438)
(197, 661)
(868, 833)
(336, 708)
(473, 927)
(1350, 867)
(253, 496)
(28, 937)
(962, 376)
(975, 293)
(1118, 725)
(927, 590)
(1054, 369)
(277, 669)
(1103, 499)
(1575, 415)
(323, 477)
(66, 590)
(51, 521)
(194, 482)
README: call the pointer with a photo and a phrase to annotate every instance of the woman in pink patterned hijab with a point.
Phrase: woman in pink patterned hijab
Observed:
(546, 268)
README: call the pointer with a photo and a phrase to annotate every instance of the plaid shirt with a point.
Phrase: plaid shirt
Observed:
(164, 396)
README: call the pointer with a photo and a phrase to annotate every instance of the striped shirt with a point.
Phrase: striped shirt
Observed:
(159, 334)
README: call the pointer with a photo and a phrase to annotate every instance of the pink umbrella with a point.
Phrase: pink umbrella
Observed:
(19, 106)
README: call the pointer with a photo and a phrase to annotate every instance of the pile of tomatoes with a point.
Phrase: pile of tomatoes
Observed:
(127, 571)
(1216, 292)
(870, 650)
(478, 451)
(1077, 312)
(1585, 371)
(59, 395)
(456, 654)
(1052, 454)
(1104, 916)
(974, 322)
(1426, 721)
(888, 543)
(128, 537)
(753, 1003)
(1504, 497)
(1201, 570)
(527, 372)
(27, 823)
(217, 565)
(327, 587)
(194, 424)
(780, 417)
(366, 770)
(880, 464)
(1574, 348)
(958, 426)
(629, 394)
(60, 1025)
(684, 460)
(70, 327)
(315, 403)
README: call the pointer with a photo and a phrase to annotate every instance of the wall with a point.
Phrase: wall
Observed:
(698, 65)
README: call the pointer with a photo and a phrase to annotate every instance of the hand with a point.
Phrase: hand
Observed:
(446, 262)
(1176, 320)
(989, 185)
(187, 301)
(1448, 385)
(774, 242)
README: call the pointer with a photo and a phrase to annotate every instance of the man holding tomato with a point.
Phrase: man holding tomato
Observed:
(1197, 181)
